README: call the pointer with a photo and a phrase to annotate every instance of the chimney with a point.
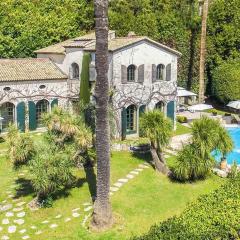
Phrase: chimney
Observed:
(131, 34)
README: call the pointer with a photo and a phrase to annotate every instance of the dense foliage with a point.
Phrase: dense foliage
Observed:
(213, 216)
(226, 81)
(195, 161)
(158, 129)
(28, 25)
(51, 170)
(20, 146)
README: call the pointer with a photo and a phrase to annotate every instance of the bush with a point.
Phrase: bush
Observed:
(213, 216)
(20, 146)
(190, 166)
(226, 81)
(214, 112)
(194, 161)
(182, 119)
(51, 170)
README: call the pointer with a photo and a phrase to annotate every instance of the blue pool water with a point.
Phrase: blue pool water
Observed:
(235, 154)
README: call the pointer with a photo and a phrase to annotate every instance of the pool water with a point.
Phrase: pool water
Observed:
(235, 154)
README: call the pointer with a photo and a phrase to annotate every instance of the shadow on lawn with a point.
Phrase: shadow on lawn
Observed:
(145, 157)
(91, 180)
(24, 187)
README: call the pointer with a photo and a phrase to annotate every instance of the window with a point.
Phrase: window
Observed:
(160, 106)
(7, 89)
(131, 73)
(160, 72)
(7, 113)
(131, 112)
(42, 107)
(74, 74)
(42, 86)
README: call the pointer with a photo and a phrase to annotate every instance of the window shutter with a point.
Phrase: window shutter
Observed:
(141, 73)
(168, 72)
(171, 110)
(21, 116)
(154, 73)
(32, 115)
(54, 103)
(124, 74)
(124, 123)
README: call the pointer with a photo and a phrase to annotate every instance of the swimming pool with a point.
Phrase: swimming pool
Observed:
(235, 154)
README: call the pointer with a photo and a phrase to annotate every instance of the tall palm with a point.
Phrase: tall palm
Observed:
(102, 215)
(158, 129)
(203, 52)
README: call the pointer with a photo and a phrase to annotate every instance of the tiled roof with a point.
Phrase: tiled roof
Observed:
(119, 43)
(29, 69)
(87, 42)
(59, 48)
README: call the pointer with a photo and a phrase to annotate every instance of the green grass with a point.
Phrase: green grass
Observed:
(143, 201)
(181, 129)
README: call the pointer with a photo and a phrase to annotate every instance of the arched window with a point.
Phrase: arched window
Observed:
(160, 106)
(42, 107)
(131, 112)
(160, 72)
(74, 71)
(131, 73)
(7, 114)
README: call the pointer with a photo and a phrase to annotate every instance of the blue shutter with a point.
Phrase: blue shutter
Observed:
(32, 116)
(124, 123)
(54, 103)
(21, 116)
(171, 110)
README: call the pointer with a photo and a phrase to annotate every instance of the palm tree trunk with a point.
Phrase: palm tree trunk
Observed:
(203, 52)
(158, 160)
(102, 215)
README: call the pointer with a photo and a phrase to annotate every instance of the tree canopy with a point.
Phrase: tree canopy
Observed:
(27, 25)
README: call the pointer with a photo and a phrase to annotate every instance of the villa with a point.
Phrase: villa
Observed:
(142, 75)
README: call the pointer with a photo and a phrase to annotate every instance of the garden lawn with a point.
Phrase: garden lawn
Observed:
(147, 199)
(181, 129)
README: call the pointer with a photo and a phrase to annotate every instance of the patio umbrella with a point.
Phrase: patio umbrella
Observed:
(234, 104)
(200, 107)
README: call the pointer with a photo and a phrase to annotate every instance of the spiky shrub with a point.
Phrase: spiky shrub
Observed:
(20, 146)
(194, 161)
(51, 171)
(190, 166)
(68, 131)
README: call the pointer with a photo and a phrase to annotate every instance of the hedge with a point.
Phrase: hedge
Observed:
(226, 81)
(213, 216)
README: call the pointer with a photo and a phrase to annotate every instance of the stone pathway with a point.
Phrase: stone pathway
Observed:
(131, 175)
(14, 211)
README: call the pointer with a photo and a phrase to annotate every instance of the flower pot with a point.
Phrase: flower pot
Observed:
(223, 164)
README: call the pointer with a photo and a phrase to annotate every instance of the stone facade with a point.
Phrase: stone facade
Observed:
(130, 97)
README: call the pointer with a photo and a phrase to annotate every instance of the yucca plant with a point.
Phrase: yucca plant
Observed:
(195, 161)
(51, 170)
(190, 165)
(158, 129)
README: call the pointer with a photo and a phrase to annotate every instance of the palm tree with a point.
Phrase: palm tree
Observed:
(203, 51)
(102, 215)
(158, 129)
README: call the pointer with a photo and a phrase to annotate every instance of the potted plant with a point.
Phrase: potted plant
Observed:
(223, 163)
(214, 112)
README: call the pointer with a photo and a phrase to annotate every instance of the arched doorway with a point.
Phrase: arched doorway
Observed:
(7, 113)
(160, 106)
(42, 107)
(131, 119)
